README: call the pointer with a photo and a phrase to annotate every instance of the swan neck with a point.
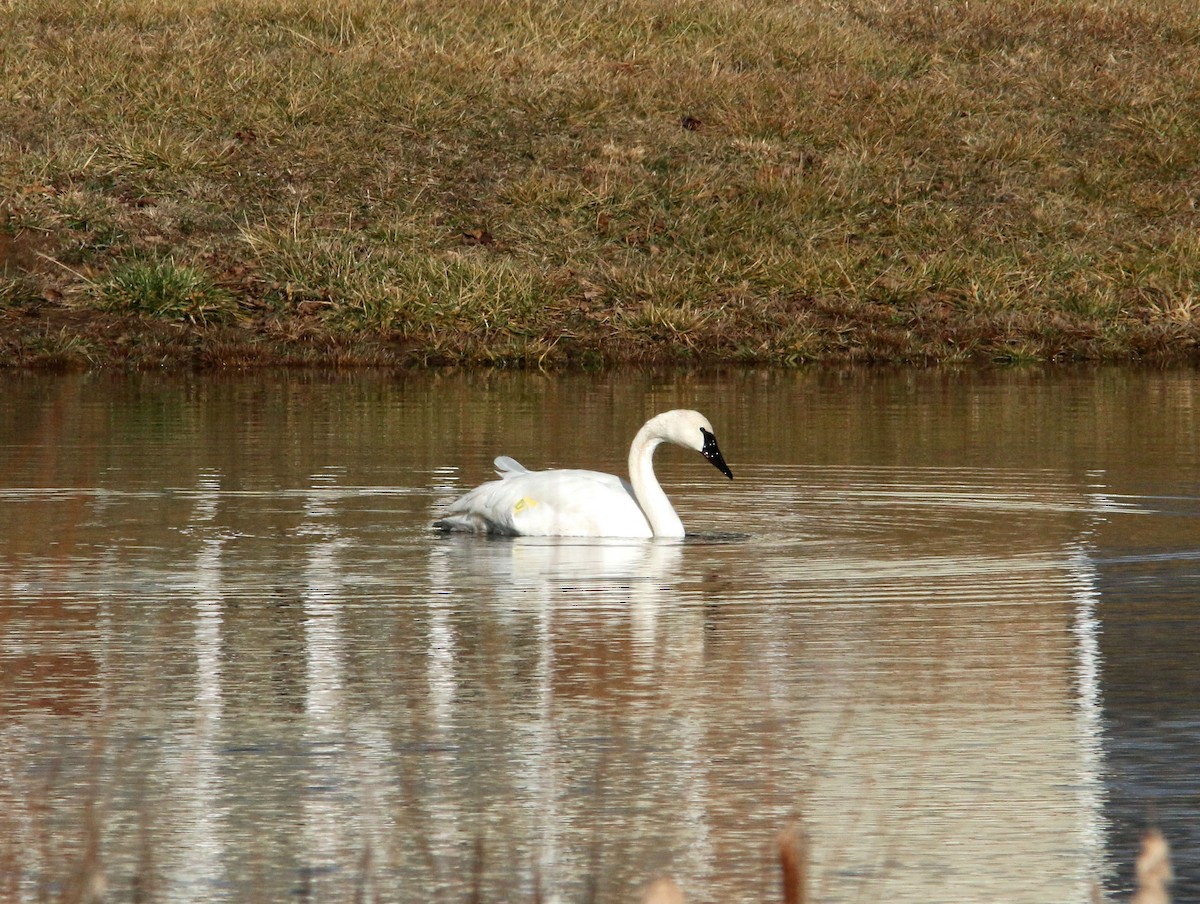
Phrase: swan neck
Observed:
(646, 490)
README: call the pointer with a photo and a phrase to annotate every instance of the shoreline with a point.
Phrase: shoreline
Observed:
(60, 338)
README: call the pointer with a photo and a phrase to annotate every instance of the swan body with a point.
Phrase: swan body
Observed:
(575, 503)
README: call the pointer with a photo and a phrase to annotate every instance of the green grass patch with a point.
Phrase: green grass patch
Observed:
(165, 290)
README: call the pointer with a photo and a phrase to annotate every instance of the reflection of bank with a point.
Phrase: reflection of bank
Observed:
(193, 763)
(1089, 712)
(238, 768)
(327, 823)
(962, 759)
(345, 817)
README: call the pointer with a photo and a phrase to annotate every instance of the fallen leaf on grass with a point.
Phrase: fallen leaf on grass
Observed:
(479, 236)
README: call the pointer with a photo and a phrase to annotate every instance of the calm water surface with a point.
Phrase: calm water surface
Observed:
(947, 623)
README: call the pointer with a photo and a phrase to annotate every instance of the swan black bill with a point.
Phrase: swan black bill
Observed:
(712, 452)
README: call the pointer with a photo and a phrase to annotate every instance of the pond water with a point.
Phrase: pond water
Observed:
(945, 623)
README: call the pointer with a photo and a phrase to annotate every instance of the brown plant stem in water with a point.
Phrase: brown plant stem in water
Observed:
(1153, 870)
(793, 863)
(663, 891)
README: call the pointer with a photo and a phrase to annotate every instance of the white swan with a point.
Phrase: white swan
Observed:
(571, 503)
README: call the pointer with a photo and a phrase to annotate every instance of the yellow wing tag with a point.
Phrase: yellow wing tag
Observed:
(524, 503)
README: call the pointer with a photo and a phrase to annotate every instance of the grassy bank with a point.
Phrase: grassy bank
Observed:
(514, 182)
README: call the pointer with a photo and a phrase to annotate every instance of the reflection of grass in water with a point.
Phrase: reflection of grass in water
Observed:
(71, 868)
(85, 881)
(73, 871)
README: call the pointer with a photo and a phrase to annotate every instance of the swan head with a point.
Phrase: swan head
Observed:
(691, 430)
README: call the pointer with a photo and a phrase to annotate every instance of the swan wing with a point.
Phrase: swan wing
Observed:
(561, 503)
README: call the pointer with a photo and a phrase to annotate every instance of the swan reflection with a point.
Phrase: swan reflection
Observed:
(518, 564)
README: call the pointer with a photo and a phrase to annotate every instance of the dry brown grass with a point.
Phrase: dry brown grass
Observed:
(586, 182)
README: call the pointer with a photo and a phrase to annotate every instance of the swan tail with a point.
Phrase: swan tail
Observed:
(481, 511)
(509, 467)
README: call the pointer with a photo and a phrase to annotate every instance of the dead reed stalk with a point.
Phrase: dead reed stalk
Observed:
(662, 891)
(1153, 869)
(793, 863)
